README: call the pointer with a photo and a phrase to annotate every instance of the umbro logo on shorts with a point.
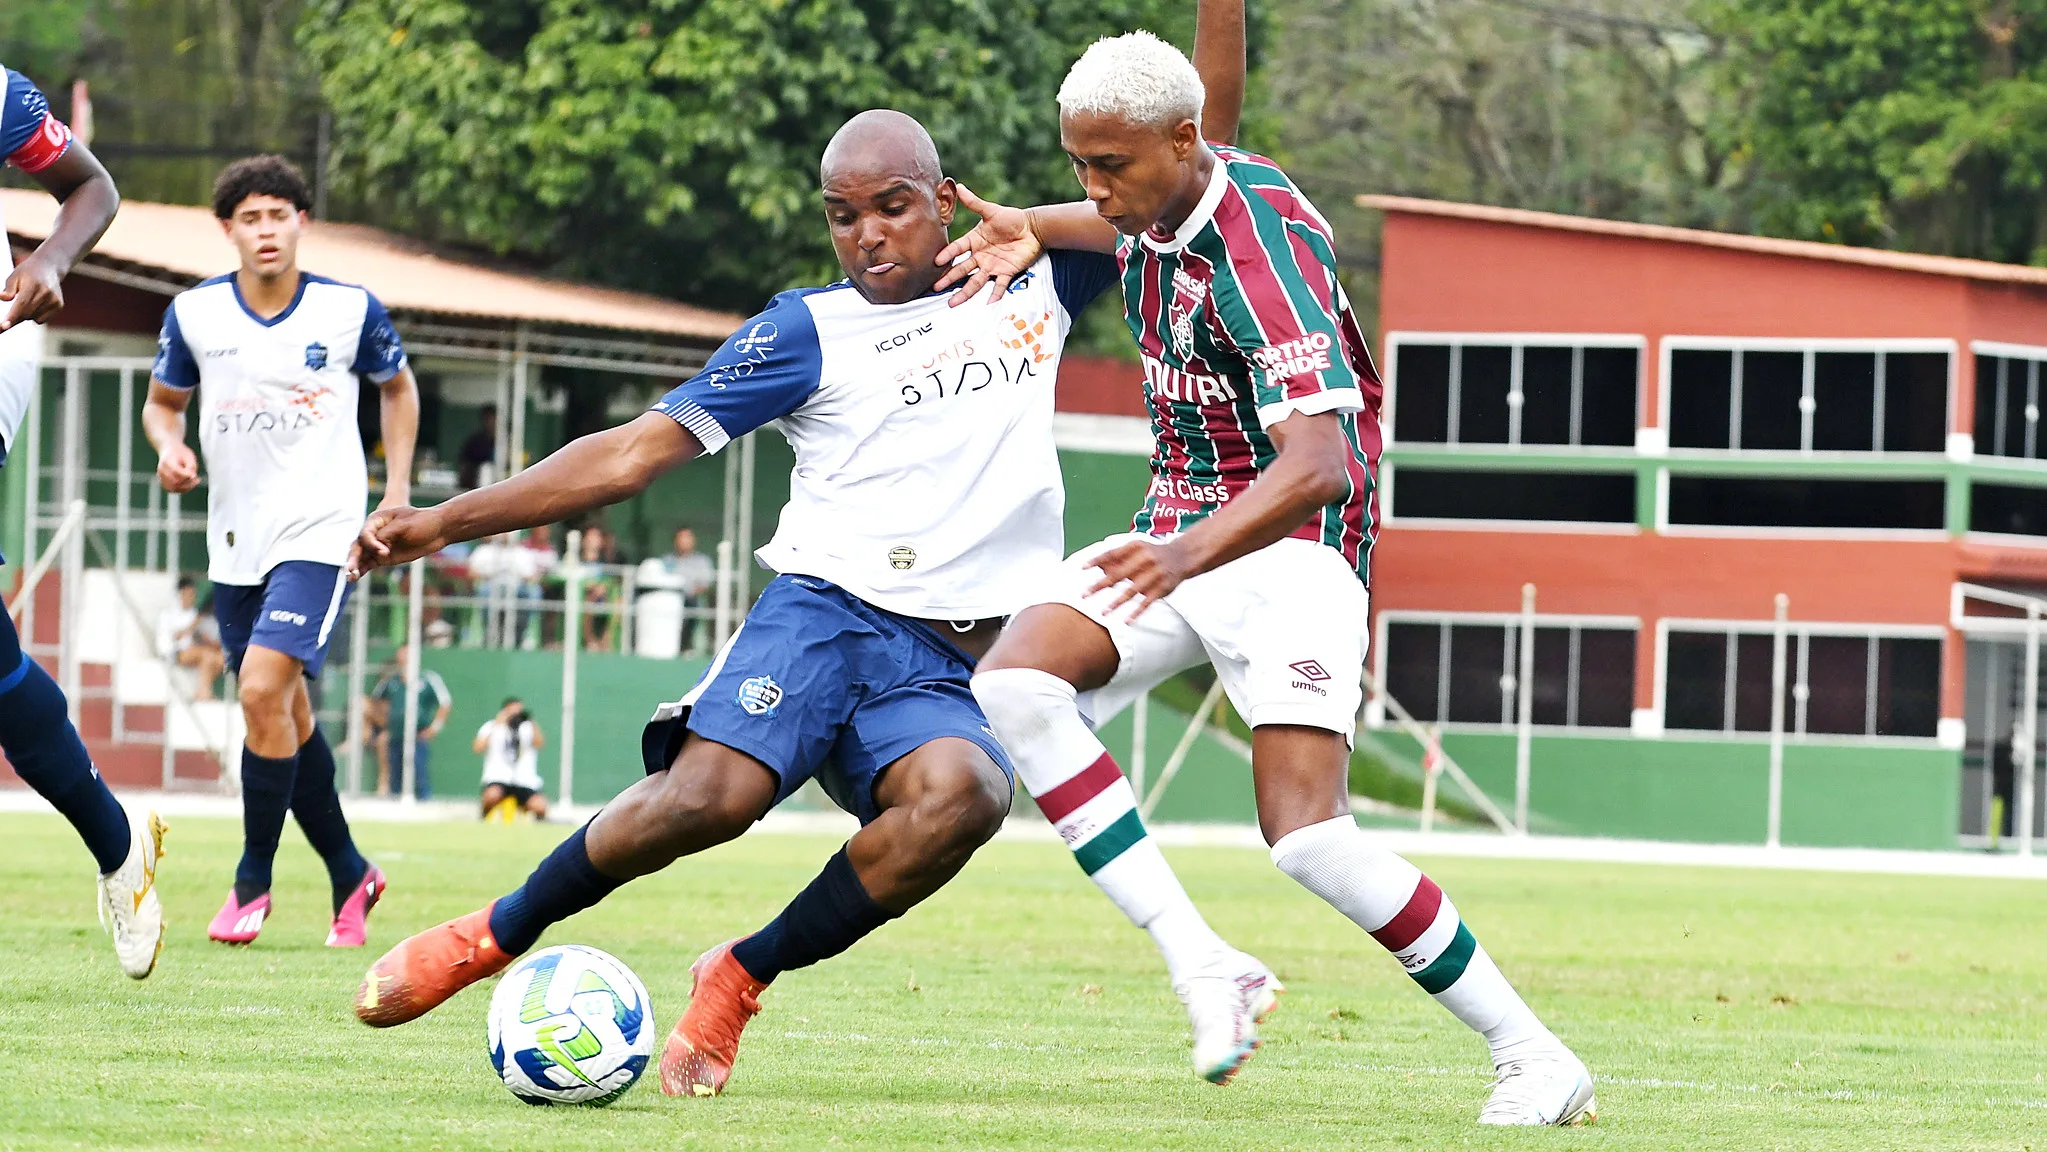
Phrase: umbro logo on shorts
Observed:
(1310, 669)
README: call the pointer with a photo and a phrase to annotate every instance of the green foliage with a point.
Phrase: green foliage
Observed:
(1918, 124)
(673, 146)
(42, 39)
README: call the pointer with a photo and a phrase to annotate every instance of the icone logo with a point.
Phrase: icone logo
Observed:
(280, 616)
(1310, 353)
(902, 338)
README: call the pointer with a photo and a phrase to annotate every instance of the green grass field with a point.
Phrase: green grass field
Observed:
(1720, 1009)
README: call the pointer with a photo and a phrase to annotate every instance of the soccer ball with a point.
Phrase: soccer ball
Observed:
(570, 1025)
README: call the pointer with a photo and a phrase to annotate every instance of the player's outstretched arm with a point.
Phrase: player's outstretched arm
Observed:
(35, 290)
(1219, 57)
(398, 404)
(1312, 470)
(1008, 241)
(589, 473)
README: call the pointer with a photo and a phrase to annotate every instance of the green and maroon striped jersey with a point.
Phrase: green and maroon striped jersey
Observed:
(1242, 323)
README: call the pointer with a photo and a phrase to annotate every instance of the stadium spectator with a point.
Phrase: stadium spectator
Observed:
(480, 452)
(603, 588)
(182, 640)
(435, 702)
(510, 744)
(684, 570)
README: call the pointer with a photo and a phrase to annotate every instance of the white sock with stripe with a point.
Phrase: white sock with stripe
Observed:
(1081, 791)
(1410, 917)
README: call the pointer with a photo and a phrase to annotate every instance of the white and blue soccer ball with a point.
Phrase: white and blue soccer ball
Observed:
(570, 1025)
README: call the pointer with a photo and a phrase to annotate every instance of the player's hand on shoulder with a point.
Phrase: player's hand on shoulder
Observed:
(1139, 571)
(177, 469)
(998, 249)
(33, 291)
(394, 536)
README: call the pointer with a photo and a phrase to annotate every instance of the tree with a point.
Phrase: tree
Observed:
(1915, 124)
(674, 147)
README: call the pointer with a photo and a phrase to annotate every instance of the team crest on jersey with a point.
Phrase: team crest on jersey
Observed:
(902, 557)
(316, 355)
(760, 695)
(1188, 293)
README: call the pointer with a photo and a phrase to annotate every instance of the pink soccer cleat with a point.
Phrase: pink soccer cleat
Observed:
(351, 924)
(237, 923)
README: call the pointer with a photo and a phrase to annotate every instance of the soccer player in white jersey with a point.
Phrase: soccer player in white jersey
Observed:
(924, 503)
(35, 727)
(279, 358)
(1251, 550)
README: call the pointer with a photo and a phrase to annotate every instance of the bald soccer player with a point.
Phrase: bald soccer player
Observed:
(924, 503)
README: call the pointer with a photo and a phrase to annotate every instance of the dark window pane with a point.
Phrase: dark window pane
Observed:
(2012, 403)
(1915, 401)
(1695, 681)
(1421, 394)
(1482, 394)
(1477, 652)
(1772, 384)
(1986, 406)
(1606, 677)
(1907, 687)
(1701, 398)
(1753, 503)
(1414, 660)
(1545, 395)
(1752, 682)
(1844, 401)
(2008, 508)
(1474, 495)
(1551, 704)
(1837, 678)
(1607, 404)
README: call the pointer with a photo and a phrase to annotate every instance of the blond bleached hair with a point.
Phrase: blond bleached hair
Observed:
(1135, 77)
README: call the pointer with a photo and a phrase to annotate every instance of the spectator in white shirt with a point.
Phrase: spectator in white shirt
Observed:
(181, 639)
(684, 570)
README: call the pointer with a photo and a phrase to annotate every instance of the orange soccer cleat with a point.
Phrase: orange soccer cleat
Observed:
(426, 969)
(697, 1060)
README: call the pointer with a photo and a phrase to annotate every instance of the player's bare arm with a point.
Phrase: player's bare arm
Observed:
(399, 404)
(589, 473)
(163, 424)
(1219, 58)
(1310, 471)
(1008, 241)
(35, 290)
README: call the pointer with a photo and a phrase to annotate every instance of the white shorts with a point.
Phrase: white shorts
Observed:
(1285, 627)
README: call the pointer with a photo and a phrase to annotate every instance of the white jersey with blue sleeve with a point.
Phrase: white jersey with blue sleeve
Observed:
(286, 478)
(31, 139)
(926, 479)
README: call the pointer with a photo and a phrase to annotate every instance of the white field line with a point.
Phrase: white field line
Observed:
(1485, 845)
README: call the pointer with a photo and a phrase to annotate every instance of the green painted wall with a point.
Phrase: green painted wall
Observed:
(1876, 796)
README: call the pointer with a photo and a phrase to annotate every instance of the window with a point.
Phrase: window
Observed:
(1717, 679)
(1829, 396)
(1752, 502)
(1461, 668)
(2008, 508)
(1533, 390)
(2008, 382)
(1473, 494)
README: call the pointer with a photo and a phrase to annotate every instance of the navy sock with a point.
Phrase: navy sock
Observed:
(829, 916)
(47, 754)
(564, 884)
(317, 806)
(266, 796)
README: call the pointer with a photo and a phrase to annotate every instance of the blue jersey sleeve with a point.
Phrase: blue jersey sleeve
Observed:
(1079, 277)
(30, 137)
(175, 365)
(379, 355)
(762, 372)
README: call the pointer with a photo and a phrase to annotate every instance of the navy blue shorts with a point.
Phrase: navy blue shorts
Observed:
(292, 611)
(819, 683)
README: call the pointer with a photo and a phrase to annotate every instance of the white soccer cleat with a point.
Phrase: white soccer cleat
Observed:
(1552, 1089)
(1226, 1001)
(129, 908)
